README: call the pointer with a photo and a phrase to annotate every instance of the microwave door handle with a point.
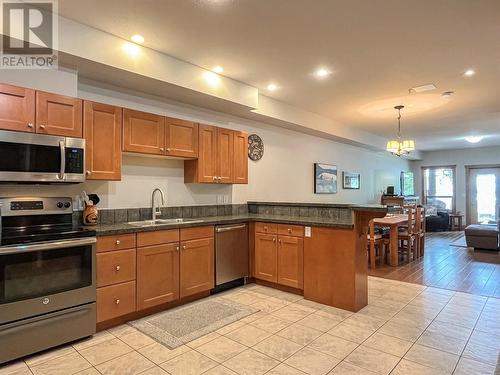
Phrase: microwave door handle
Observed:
(62, 148)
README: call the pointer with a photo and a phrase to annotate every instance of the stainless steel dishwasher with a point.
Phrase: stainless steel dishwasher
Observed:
(231, 254)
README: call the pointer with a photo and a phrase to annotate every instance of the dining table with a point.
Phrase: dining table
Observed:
(393, 222)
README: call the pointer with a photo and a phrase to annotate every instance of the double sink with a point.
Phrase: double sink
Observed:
(149, 223)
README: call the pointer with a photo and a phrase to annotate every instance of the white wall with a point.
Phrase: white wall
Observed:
(284, 174)
(459, 158)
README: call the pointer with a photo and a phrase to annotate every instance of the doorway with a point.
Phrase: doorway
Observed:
(483, 194)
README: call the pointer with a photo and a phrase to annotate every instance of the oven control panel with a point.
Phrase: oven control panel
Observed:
(19, 206)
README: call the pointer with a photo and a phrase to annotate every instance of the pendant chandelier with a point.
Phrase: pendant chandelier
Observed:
(397, 146)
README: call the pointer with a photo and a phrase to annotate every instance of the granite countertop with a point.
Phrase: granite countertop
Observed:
(121, 228)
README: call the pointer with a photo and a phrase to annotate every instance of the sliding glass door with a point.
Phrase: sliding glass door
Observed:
(439, 187)
(483, 195)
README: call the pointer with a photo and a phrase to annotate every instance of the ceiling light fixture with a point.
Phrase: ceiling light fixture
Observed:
(422, 88)
(469, 72)
(397, 146)
(137, 38)
(474, 138)
(272, 87)
(322, 73)
(217, 69)
(131, 49)
(211, 78)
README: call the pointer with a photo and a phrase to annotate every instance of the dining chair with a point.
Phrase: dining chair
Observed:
(420, 231)
(407, 234)
(376, 245)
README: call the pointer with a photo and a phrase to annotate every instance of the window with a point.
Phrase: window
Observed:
(439, 187)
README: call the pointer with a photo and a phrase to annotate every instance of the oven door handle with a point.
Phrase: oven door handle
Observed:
(62, 148)
(52, 245)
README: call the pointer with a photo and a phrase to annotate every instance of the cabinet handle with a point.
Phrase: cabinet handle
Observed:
(30, 125)
(117, 268)
(42, 127)
(117, 301)
(117, 242)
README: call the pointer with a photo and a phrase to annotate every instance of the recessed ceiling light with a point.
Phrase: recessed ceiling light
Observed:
(469, 72)
(272, 87)
(423, 88)
(322, 72)
(137, 38)
(211, 78)
(217, 69)
(131, 49)
(474, 138)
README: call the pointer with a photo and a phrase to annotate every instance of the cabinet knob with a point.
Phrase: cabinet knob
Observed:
(117, 301)
(117, 268)
(274, 239)
(265, 228)
(30, 125)
(162, 149)
(117, 242)
(42, 126)
(279, 240)
(87, 173)
(177, 248)
(168, 149)
(214, 178)
(289, 230)
(183, 247)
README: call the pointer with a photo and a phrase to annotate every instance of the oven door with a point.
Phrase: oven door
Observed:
(26, 157)
(40, 278)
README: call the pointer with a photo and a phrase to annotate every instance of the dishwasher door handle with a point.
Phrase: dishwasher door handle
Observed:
(227, 229)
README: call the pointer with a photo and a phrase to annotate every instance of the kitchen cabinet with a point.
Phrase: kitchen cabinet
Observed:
(58, 115)
(115, 300)
(143, 132)
(265, 258)
(115, 267)
(157, 275)
(17, 108)
(220, 159)
(240, 157)
(102, 129)
(279, 254)
(196, 266)
(181, 138)
(290, 254)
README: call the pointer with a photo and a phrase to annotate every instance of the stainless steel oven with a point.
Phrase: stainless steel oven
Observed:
(27, 157)
(47, 276)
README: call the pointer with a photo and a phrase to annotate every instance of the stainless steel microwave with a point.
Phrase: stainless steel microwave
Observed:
(39, 158)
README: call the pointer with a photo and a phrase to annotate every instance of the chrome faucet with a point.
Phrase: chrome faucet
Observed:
(155, 210)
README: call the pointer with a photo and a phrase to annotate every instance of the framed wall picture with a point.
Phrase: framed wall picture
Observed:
(325, 178)
(351, 180)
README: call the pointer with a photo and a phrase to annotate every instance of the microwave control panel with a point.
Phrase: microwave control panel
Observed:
(74, 160)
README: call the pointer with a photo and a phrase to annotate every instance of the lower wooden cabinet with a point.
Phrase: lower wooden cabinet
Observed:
(196, 266)
(157, 275)
(115, 300)
(291, 261)
(115, 267)
(266, 262)
(277, 258)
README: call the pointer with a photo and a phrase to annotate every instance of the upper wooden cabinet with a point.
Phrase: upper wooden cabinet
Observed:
(17, 108)
(181, 138)
(222, 157)
(143, 132)
(102, 129)
(240, 157)
(58, 115)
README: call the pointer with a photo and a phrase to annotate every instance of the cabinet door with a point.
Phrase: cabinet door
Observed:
(17, 108)
(225, 152)
(196, 266)
(240, 169)
(143, 132)
(291, 261)
(181, 138)
(58, 115)
(102, 129)
(205, 168)
(265, 257)
(157, 275)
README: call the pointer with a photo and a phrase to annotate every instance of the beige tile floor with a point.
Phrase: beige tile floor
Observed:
(405, 329)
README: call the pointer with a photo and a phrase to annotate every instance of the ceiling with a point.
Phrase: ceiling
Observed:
(376, 49)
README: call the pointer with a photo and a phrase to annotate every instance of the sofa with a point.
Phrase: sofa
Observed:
(483, 236)
(437, 221)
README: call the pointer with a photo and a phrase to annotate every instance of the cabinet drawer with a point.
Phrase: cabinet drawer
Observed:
(268, 228)
(118, 242)
(291, 230)
(115, 267)
(157, 237)
(197, 232)
(115, 300)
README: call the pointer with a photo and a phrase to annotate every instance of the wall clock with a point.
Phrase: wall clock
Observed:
(255, 147)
